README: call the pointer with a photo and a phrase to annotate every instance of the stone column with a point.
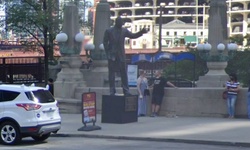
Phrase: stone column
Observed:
(99, 71)
(102, 22)
(70, 76)
(217, 33)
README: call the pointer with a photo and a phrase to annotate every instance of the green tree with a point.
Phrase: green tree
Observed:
(238, 39)
(39, 19)
(239, 64)
(187, 69)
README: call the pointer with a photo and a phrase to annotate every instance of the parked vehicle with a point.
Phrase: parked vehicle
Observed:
(27, 111)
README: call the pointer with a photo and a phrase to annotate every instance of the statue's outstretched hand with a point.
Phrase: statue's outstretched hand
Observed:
(144, 30)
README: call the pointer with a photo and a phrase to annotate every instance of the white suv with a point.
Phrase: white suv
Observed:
(27, 111)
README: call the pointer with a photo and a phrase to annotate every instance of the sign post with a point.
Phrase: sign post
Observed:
(89, 112)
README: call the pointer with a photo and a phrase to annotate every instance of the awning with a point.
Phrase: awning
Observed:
(190, 39)
(184, 56)
(163, 56)
(140, 58)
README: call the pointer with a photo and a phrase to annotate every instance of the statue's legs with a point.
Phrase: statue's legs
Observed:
(111, 67)
(124, 78)
(119, 66)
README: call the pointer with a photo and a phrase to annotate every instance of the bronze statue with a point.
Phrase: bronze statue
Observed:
(113, 42)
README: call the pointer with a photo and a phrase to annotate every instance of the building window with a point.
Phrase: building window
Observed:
(185, 33)
(167, 33)
(194, 33)
(148, 27)
(201, 33)
(135, 28)
(134, 43)
(127, 41)
(175, 33)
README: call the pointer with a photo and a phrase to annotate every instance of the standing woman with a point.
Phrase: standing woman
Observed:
(142, 84)
(232, 87)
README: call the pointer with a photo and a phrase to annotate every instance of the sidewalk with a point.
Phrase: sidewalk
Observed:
(221, 131)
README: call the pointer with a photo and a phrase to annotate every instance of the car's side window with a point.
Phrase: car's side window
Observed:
(8, 95)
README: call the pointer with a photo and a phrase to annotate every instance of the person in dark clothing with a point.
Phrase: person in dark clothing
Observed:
(51, 85)
(113, 42)
(158, 92)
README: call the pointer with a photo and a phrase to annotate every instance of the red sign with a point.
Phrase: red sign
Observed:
(89, 107)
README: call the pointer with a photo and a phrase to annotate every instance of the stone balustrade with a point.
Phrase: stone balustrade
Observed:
(195, 102)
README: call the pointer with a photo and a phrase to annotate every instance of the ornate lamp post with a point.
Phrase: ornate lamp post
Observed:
(100, 63)
(88, 48)
(205, 49)
(70, 42)
(216, 54)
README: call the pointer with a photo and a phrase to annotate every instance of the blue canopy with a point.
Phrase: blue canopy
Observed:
(185, 55)
(141, 57)
(163, 56)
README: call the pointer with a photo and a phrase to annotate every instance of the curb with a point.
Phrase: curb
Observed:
(219, 143)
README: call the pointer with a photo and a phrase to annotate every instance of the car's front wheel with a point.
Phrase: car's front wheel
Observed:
(9, 133)
(41, 138)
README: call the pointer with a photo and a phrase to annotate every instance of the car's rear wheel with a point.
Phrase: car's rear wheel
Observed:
(9, 133)
(41, 138)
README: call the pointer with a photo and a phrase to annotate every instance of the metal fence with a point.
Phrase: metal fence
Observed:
(22, 70)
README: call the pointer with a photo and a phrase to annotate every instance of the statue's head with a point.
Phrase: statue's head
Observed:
(118, 22)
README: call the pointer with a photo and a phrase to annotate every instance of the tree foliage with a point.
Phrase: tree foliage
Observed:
(187, 69)
(39, 21)
(241, 66)
(238, 39)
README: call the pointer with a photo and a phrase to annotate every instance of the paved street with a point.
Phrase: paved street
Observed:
(71, 143)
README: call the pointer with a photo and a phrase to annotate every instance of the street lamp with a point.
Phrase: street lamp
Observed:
(101, 47)
(88, 48)
(160, 26)
(62, 38)
(205, 52)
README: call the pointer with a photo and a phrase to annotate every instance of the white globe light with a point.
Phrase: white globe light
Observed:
(89, 47)
(79, 37)
(162, 4)
(221, 47)
(61, 37)
(200, 47)
(101, 47)
(207, 47)
(232, 46)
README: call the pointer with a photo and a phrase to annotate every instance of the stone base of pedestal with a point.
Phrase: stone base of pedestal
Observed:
(212, 80)
(66, 89)
(216, 76)
(97, 74)
(70, 106)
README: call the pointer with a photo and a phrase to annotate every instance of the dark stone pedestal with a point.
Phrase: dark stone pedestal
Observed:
(119, 109)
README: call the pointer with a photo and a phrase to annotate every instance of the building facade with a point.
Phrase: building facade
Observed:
(239, 17)
(193, 15)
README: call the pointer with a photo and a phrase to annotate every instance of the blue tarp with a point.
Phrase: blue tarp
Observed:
(185, 55)
(141, 57)
(163, 56)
